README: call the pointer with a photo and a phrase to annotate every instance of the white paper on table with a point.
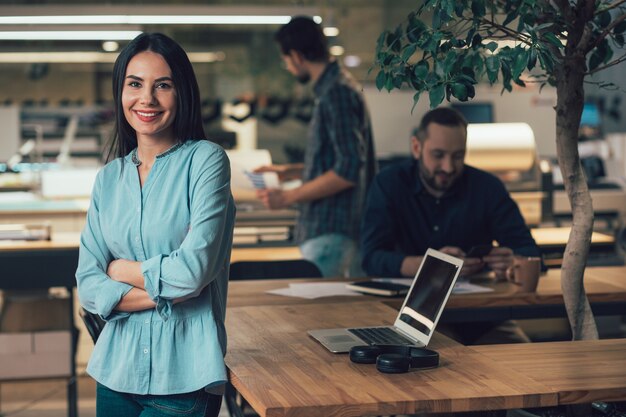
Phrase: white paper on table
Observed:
(241, 161)
(402, 281)
(262, 180)
(464, 287)
(312, 290)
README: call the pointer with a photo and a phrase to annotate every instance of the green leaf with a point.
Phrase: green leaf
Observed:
(421, 70)
(532, 59)
(603, 19)
(398, 80)
(477, 41)
(546, 59)
(470, 36)
(459, 8)
(492, 63)
(478, 8)
(551, 37)
(543, 26)
(471, 91)
(620, 27)
(436, 22)
(601, 54)
(414, 29)
(521, 60)
(381, 40)
(389, 82)
(436, 95)
(459, 91)
(416, 98)
(519, 82)
(408, 52)
(510, 17)
(492, 46)
(448, 63)
(619, 39)
(381, 78)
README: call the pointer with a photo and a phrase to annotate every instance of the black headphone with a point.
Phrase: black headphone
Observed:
(395, 359)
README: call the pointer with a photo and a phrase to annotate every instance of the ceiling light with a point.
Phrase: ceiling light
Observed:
(90, 57)
(110, 46)
(352, 61)
(331, 31)
(149, 20)
(69, 35)
(336, 50)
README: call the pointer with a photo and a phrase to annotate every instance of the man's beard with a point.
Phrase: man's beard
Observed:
(431, 181)
(303, 78)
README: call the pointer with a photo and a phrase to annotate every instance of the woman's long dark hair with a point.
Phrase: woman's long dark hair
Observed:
(188, 120)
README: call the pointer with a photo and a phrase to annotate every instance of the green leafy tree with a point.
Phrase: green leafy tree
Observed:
(446, 47)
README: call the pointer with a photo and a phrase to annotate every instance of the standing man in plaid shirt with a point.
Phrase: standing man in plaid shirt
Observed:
(339, 159)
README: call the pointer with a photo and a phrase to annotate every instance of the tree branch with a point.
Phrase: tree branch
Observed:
(610, 64)
(606, 31)
(612, 6)
(510, 32)
(566, 9)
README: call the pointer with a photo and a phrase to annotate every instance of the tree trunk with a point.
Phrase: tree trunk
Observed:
(570, 100)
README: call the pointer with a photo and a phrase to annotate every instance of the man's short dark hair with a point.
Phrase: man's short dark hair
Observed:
(303, 35)
(444, 116)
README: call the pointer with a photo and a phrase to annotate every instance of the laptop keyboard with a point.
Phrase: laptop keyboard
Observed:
(380, 336)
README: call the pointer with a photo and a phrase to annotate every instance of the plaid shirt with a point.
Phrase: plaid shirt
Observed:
(339, 139)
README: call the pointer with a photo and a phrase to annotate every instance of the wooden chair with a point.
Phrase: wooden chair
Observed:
(93, 323)
(300, 268)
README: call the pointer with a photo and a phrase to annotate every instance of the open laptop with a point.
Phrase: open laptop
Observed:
(416, 319)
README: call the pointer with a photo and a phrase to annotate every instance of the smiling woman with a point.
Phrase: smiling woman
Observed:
(155, 251)
(149, 102)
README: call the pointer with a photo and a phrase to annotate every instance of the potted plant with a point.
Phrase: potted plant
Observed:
(445, 47)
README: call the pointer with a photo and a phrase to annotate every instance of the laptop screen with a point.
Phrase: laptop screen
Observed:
(428, 294)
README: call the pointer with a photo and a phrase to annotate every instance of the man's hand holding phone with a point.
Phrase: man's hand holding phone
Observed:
(499, 260)
(479, 251)
(470, 265)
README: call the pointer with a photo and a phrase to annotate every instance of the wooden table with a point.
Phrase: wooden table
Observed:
(580, 372)
(556, 237)
(42, 265)
(70, 241)
(605, 286)
(281, 371)
(552, 241)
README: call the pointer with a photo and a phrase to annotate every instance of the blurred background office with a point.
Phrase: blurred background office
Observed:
(56, 116)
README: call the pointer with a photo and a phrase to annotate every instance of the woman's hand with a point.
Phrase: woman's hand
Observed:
(129, 272)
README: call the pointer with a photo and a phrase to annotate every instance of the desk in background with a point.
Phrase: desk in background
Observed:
(605, 286)
(552, 241)
(42, 265)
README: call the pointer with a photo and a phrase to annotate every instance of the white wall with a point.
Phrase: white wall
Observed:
(393, 122)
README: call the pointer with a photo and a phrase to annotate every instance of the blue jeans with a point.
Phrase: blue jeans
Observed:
(334, 254)
(199, 403)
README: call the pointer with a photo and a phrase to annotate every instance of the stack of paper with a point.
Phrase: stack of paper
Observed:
(312, 290)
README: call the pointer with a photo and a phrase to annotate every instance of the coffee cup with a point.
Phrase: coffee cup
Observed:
(525, 272)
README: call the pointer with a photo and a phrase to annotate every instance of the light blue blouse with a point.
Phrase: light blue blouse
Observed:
(180, 227)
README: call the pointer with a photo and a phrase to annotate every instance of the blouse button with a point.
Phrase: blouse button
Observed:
(145, 351)
(436, 228)
(137, 239)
